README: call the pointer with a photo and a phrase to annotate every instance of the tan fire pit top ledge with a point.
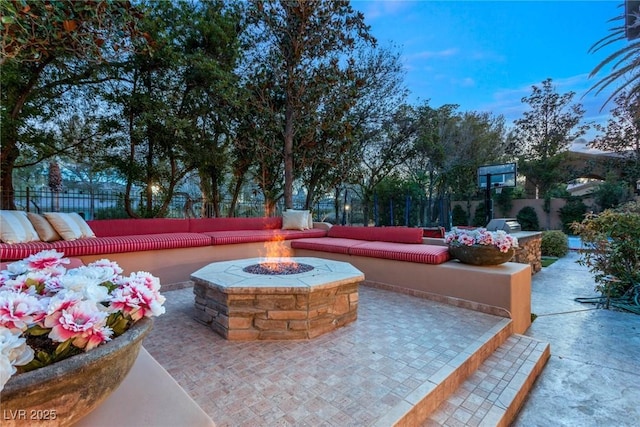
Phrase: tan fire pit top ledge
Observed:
(228, 276)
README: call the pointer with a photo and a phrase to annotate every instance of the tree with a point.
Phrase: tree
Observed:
(46, 48)
(427, 163)
(354, 110)
(624, 63)
(384, 149)
(451, 146)
(545, 132)
(303, 45)
(622, 134)
(610, 193)
(478, 139)
(174, 110)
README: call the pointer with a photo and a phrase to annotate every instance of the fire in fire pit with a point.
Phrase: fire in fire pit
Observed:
(277, 261)
(278, 268)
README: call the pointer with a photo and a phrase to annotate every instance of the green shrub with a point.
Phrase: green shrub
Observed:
(554, 243)
(528, 219)
(504, 201)
(479, 216)
(459, 216)
(610, 194)
(573, 211)
(614, 236)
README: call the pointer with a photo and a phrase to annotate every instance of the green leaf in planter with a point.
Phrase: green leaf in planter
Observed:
(62, 347)
(109, 285)
(39, 286)
(37, 331)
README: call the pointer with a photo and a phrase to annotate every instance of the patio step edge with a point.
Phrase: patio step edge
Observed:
(493, 395)
(417, 406)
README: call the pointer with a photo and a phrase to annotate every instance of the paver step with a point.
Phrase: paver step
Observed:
(416, 407)
(493, 394)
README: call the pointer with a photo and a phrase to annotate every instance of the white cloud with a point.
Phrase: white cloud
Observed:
(375, 9)
(429, 54)
(467, 82)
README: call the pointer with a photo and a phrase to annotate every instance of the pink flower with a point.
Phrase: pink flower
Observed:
(481, 236)
(82, 322)
(137, 300)
(150, 281)
(45, 260)
(94, 339)
(107, 264)
(18, 311)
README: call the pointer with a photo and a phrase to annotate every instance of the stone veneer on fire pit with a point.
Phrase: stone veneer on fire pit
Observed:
(244, 306)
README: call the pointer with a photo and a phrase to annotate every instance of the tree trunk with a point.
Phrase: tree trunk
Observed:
(336, 204)
(8, 158)
(234, 196)
(269, 207)
(288, 156)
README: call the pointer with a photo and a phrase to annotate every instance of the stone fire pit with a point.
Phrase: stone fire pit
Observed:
(240, 305)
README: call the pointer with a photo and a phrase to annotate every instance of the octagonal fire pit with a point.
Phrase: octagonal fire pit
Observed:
(276, 298)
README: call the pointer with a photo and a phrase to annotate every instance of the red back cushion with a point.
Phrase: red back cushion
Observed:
(199, 225)
(132, 227)
(382, 234)
(437, 232)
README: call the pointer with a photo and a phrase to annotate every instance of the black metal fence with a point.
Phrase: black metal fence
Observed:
(110, 204)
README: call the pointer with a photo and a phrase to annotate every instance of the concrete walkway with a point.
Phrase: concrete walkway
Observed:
(593, 375)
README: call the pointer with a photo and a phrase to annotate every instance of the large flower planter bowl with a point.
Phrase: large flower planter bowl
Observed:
(62, 393)
(480, 254)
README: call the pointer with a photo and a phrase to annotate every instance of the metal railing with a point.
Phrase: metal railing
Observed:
(110, 205)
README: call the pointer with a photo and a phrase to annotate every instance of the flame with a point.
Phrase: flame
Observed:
(274, 250)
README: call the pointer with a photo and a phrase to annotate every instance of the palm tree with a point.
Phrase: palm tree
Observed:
(625, 62)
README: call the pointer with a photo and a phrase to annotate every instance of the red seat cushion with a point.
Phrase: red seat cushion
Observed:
(426, 254)
(435, 232)
(248, 236)
(336, 245)
(133, 227)
(383, 234)
(17, 251)
(200, 225)
(119, 244)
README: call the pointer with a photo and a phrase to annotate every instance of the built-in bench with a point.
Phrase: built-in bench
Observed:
(392, 257)
(396, 258)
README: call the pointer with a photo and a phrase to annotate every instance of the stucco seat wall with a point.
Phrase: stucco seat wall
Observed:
(503, 289)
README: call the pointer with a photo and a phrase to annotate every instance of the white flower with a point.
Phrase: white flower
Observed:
(19, 310)
(39, 293)
(88, 285)
(17, 268)
(14, 351)
(95, 274)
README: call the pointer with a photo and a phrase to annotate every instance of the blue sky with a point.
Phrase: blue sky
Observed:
(486, 55)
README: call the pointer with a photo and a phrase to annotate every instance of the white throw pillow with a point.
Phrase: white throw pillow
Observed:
(295, 220)
(310, 217)
(15, 227)
(70, 226)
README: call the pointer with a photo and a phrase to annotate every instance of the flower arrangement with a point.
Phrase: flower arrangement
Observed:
(49, 313)
(480, 236)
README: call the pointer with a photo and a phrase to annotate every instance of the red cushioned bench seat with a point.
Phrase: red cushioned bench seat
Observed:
(426, 254)
(134, 227)
(395, 243)
(382, 234)
(134, 243)
(250, 236)
(16, 251)
(335, 245)
(202, 225)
